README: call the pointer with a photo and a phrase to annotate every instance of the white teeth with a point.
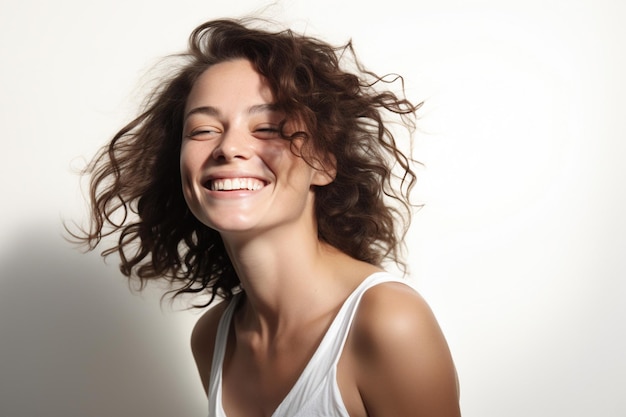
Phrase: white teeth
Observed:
(232, 184)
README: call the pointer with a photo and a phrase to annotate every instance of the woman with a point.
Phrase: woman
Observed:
(283, 219)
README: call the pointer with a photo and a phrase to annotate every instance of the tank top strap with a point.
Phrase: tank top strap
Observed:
(335, 338)
(215, 379)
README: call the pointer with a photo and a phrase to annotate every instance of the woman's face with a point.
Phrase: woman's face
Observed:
(238, 174)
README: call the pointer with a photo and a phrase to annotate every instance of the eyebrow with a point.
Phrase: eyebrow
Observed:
(214, 111)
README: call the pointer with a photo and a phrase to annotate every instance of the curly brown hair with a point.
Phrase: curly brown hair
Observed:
(135, 185)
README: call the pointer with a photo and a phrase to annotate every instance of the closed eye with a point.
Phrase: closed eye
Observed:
(267, 132)
(202, 134)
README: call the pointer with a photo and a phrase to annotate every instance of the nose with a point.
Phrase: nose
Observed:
(233, 143)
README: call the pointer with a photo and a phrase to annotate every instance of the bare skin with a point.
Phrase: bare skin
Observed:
(395, 361)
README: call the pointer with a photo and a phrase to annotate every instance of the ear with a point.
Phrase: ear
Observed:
(325, 171)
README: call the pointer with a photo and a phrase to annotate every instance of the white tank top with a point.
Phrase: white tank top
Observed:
(315, 393)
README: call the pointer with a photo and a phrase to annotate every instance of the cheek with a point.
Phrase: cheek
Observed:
(299, 174)
(190, 167)
(192, 157)
(282, 161)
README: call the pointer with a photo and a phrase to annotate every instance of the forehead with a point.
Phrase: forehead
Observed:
(228, 84)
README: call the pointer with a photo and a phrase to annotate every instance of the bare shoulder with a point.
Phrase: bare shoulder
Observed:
(392, 309)
(396, 339)
(203, 340)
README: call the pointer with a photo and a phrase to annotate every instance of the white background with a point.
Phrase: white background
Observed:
(519, 249)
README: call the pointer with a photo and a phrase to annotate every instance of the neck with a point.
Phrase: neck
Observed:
(275, 268)
(290, 279)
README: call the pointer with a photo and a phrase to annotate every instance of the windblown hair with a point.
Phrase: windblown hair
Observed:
(135, 184)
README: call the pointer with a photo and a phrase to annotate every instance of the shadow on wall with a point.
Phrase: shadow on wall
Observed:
(75, 342)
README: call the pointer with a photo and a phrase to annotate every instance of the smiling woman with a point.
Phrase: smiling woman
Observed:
(264, 175)
(238, 172)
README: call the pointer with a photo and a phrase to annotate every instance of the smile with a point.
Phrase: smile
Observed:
(234, 184)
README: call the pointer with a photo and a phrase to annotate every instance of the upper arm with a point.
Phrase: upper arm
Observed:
(203, 341)
(405, 367)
